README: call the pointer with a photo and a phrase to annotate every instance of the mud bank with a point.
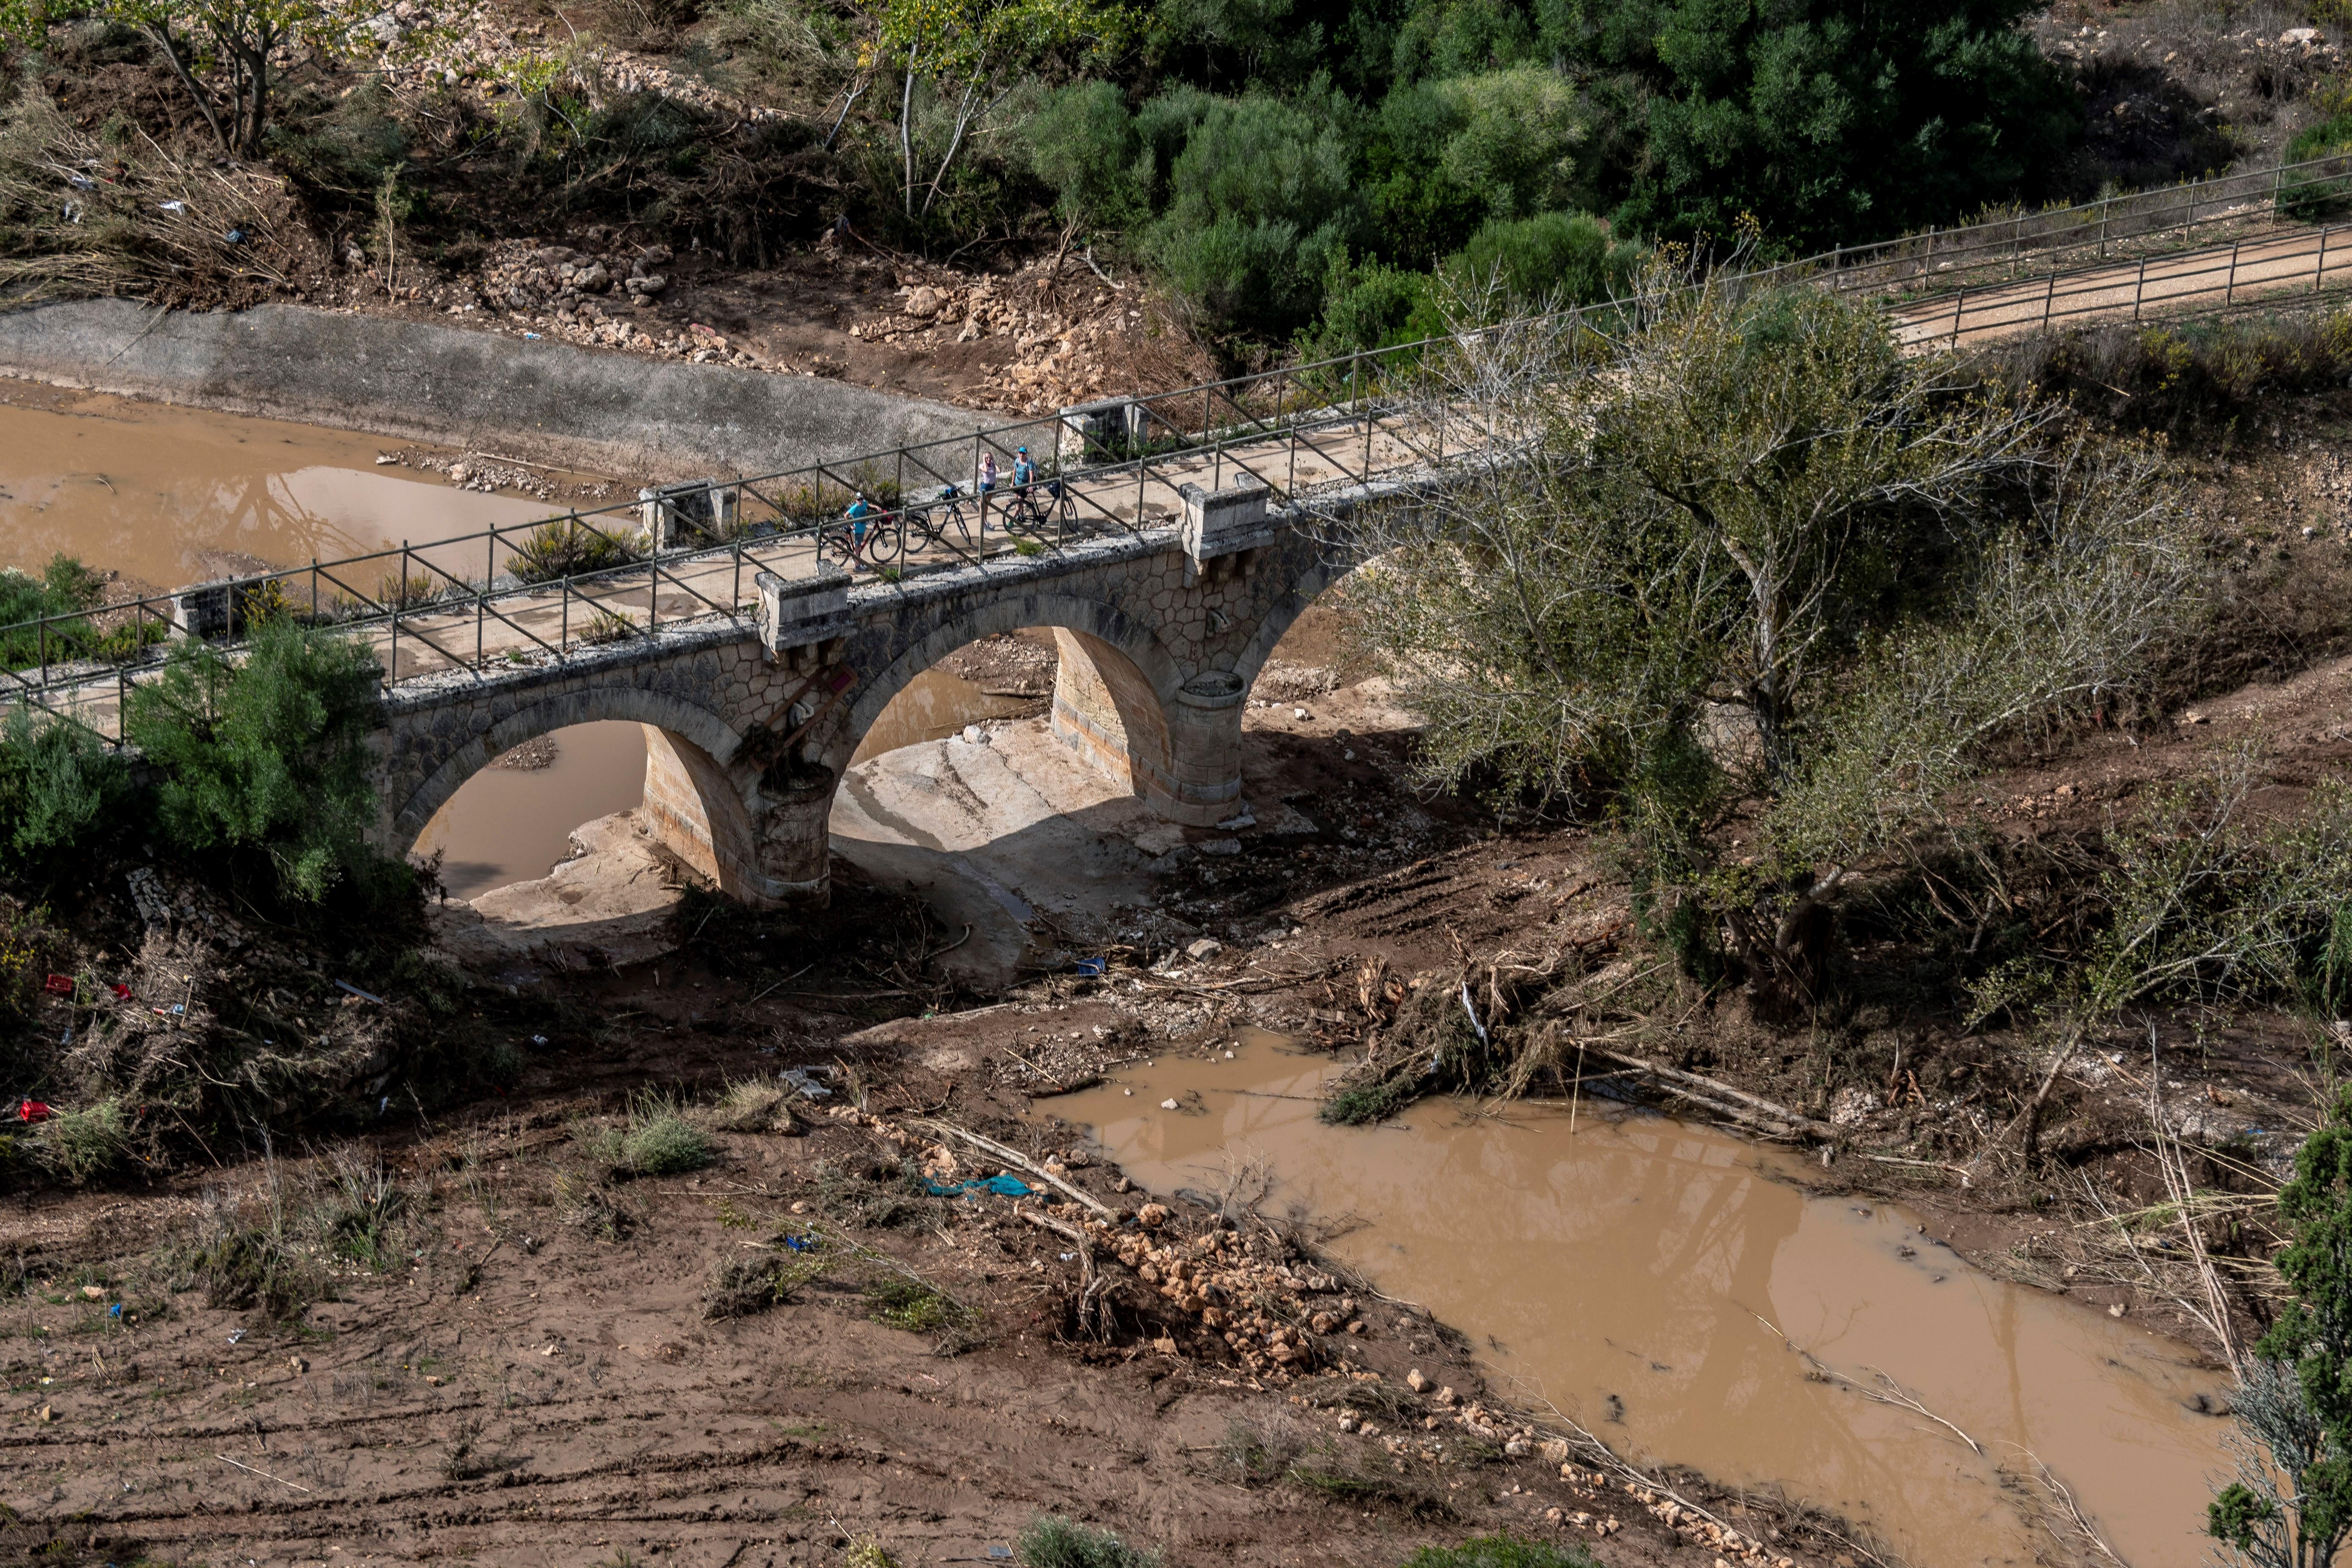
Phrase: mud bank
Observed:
(548, 401)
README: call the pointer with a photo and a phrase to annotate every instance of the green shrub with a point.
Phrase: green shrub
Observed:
(1262, 200)
(1053, 1541)
(1366, 305)
(64, 588)
(1500, 1551)
(269, 753)
(1083, 144)
(58, 784)
(658, 1142)
(85, 1143)
(1569, 258)
(566, 548)
(909, 1304)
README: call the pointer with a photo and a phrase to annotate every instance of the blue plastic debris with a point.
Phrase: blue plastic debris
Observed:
(1093, 965)
(1002, 1186)
(799, 1244)
(115, 1311)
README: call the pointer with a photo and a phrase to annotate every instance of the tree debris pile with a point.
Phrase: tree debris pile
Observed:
(164, 1024)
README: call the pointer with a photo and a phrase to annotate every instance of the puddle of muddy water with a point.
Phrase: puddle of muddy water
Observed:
(1635, 1275)
(934, 706)
(169, 496)
(510, 825)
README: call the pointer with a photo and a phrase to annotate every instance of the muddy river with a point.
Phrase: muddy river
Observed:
(167, 496)
(1673, 1289)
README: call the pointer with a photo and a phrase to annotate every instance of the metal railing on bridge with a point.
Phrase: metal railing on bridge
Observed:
(528, 593)
(2167, 218)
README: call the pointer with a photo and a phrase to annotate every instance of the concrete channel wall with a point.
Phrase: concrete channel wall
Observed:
(544, 401)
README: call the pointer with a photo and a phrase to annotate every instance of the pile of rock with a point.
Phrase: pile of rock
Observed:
(1069, 342)
(556, 291)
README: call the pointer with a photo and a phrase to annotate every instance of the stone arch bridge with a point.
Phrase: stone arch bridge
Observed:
(750, 724)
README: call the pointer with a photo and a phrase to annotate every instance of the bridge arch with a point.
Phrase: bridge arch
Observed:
(692, 804)
(1121, 698)
(1288, 607)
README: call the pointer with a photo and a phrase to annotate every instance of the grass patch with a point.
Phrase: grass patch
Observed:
(243, 1264)
(659, 1142)
(566, 548)
(584, 1204)
(1367, 1101)
(753, 1105)
(1053, 1541)
(359, 1220)
(741, 1286)
(607, 626)
(912, 1305)
(656, 1140)
(1253, 1456)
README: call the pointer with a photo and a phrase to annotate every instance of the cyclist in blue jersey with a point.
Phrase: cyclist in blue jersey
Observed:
(859, 510)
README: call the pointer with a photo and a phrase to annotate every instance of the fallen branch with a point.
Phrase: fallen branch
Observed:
(1013, 1157)
(265, 1475)
(1742, 1106)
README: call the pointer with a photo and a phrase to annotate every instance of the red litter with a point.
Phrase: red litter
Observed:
(59, 984)
(32, 1110)
(122, 991)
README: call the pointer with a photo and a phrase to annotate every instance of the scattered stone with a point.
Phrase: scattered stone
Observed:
(1151, 1216)
(1205, 947)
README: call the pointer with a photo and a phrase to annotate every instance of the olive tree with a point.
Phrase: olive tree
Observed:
(1742, 575)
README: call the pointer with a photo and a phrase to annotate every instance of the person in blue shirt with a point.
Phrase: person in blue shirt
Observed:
(859, 510)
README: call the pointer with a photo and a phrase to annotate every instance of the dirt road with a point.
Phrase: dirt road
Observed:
(2273, 267)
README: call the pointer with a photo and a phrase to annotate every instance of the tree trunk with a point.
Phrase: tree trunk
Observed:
(906, 132)
(162, 34)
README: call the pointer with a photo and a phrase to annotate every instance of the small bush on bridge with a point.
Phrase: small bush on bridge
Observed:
(64, 588)
(566, 548)
(267, 754)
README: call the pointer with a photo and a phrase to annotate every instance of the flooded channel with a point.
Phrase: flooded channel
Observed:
(167, 495)
(1669, 1288)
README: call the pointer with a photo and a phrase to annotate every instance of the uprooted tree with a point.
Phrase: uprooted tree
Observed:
(1761, 589)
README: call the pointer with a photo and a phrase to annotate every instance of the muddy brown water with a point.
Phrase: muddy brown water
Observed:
(169, 495)
(1641, 1274)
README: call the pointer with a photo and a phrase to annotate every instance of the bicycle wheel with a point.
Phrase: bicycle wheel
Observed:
(882, 543)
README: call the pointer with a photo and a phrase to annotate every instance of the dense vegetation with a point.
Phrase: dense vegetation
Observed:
(1282, 165)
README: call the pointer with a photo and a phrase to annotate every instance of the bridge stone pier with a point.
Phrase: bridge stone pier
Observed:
(750, 718)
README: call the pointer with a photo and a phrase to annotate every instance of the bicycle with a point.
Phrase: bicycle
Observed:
(927, 526)
(1022, 514)
(879, 543)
